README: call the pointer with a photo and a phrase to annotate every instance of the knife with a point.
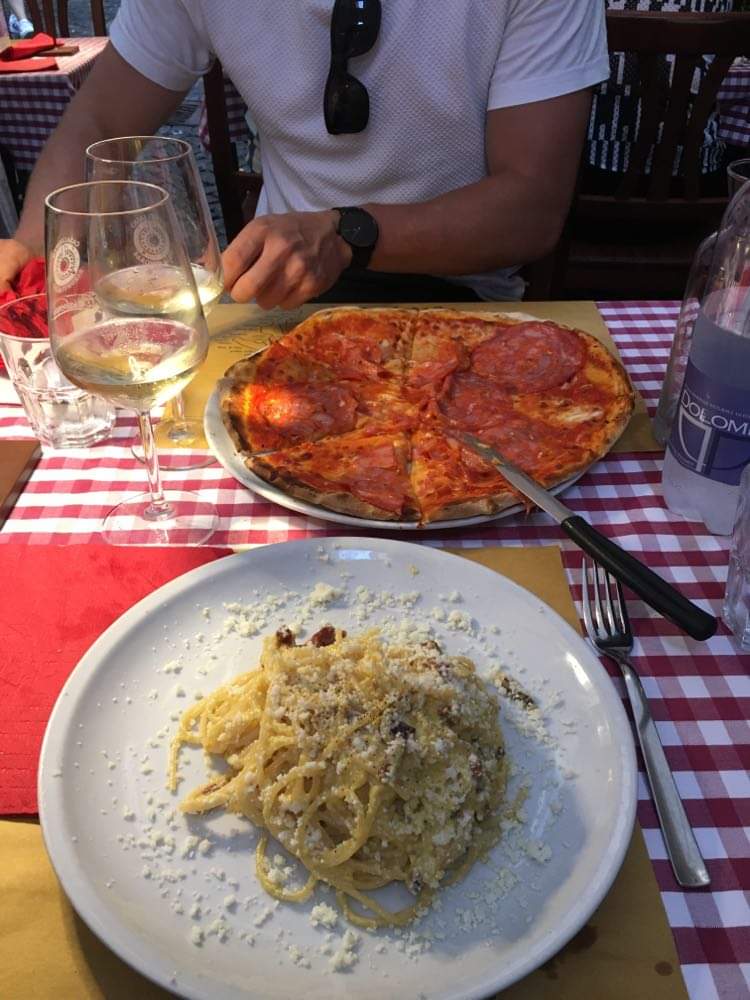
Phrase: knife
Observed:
(655, 591)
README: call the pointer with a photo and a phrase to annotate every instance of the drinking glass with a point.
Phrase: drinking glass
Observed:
(738, 173)
(126, 323)
(61, 415)
(170, 164)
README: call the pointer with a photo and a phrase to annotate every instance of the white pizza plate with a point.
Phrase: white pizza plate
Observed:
(105, 810)
(225, 452)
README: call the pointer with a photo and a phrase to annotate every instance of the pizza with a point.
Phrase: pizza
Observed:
(358, 410)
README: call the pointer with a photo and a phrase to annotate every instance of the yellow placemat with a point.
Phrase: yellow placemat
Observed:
(624, 952)
(237, 331)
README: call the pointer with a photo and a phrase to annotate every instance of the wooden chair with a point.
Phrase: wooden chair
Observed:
(52, 16)
(238, 190)
(640, 239)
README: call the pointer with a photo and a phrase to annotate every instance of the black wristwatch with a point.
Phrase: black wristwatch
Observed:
(360, 230)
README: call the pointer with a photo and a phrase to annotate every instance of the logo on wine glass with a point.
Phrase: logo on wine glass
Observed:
(66, 263)
(150, 241)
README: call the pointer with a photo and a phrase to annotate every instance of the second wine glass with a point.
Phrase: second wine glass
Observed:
(170, 164)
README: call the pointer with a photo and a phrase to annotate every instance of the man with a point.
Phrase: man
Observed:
(463, 168)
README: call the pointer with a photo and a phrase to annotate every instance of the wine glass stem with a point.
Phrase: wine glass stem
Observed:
(178, 407)
(158, 509)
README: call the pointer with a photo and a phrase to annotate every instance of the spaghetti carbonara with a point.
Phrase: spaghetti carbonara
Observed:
(371, 763)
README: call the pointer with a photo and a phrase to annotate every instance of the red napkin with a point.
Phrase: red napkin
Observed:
(56, 601)
(27, 65)
(25, 47)
(30, 281)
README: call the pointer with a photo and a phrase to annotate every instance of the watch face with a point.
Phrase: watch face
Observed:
(358, 227)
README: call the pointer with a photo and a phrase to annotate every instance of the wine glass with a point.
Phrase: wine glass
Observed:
(170, 164)
(126, 323)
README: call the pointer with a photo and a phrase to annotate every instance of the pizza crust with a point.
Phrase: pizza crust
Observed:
(339, 501)
(225, 402)
(481, 507)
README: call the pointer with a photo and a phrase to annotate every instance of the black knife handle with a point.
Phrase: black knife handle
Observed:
(657, 593)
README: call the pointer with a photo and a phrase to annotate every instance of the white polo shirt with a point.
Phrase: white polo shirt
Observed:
(435, 70)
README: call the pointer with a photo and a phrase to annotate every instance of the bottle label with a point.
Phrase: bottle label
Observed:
(711, 432)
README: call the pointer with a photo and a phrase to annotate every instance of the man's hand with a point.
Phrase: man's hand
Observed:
(285, 260)
(13, 256)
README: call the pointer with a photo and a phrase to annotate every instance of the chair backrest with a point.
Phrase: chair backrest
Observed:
(238, 190)
(672, 116)
(52, 16)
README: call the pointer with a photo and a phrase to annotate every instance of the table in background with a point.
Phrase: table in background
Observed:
(699, 692)
(8, 214)
(32, 104)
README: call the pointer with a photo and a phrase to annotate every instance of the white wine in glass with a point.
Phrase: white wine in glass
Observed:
(136, 363)
(169, 163)
(126, 323)
(152, 289)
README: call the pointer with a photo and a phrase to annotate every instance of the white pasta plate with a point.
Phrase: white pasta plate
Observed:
(177, 897)
(226, 454)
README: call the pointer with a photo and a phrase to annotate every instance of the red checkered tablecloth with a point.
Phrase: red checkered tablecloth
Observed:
(32, 104)
(699, 692)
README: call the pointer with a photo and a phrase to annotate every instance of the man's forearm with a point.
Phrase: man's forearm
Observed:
(513, 215)
(497, 222)
(61, 163)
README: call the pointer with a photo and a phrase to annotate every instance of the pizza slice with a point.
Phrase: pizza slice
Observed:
(379, 404)
(279, 364)
(355, 343)
(363, 473)
(530, 356)
(592, 408)
(443, 344)
(516, 426)
(548, 454)
(281, 399)
(550, 398)
(435, 355)
(263, 416)
(449, 480)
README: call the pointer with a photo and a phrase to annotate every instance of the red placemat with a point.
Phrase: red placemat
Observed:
(28, 65)
(56, 601)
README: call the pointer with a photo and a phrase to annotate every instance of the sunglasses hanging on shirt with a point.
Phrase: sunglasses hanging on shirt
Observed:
(354, 30)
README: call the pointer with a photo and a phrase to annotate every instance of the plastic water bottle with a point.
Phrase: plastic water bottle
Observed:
(709, 445)
(695, 291)
(709, 442)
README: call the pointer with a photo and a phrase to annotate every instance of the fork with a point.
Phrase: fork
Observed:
(608, 626)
